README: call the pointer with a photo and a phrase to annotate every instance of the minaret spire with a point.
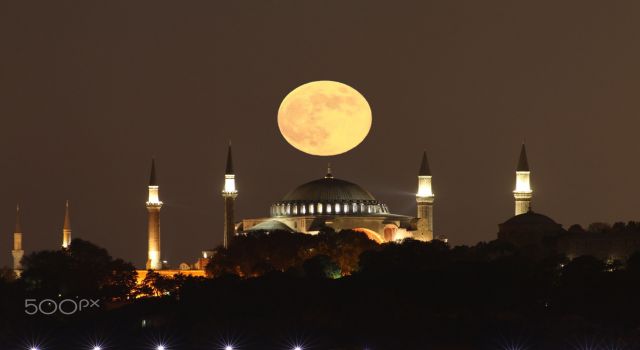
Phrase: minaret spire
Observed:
(229, 194)
(229, 167)
(18, 221)
(66, 228)
(153, 221)
(152, 176)
(425, 170)
(523, 193)
(425, 199)
(17, 251)
(523, 163)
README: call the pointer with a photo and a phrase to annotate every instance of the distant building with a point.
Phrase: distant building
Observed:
(332, 203)
(530, 229)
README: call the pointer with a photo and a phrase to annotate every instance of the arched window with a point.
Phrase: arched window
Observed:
(345, 208)
(354, 207)
(288, 209)
(362, 208)
(295, 209)
(328, 208)
(337, 207)
(319, 208)
(311, 208)
(303, 209)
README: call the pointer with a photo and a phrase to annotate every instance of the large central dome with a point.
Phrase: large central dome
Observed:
(328, 189)
(328, 196)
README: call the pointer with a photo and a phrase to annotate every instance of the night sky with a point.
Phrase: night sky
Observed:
(90, 91)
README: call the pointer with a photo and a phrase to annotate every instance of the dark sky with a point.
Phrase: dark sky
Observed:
(90, 90)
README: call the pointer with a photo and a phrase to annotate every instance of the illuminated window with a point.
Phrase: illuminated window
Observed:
(303, 209)
(295, 209)
(319, 208)
(337, 207)
(288, 209)
(328, 208)
(310, 208)
(362, 207)
(354, 207)
(346, 208)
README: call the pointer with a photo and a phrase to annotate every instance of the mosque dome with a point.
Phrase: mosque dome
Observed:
(328, 196)
(328, 189)
(528, 229)
(530, 218)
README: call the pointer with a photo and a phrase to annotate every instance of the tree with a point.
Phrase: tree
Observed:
(83, 269)
(599, 227)
(633, 263)
(582, 270)
(576, 228)
(321, 266)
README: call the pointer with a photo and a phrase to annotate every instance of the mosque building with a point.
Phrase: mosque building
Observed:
(330, 203)
(534, 231)
(337, 204)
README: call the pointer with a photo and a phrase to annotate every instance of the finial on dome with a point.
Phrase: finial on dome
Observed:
(329, 175)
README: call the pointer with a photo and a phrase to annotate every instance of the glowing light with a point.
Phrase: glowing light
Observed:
(297, 348)
(522, 182)
(34, 348)
(228, 347)
(97, 348)
(154, 198)
(230, 184)
(424, 187)
(324, 118)
(160, 347)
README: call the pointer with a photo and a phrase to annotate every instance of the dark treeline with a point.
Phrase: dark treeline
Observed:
(342, 291)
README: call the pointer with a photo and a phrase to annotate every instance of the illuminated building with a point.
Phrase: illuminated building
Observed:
(17, 251)
(229, 194)
(523, 192)
(66, 227)
(537, 232)
(153, 227)
(332, 203)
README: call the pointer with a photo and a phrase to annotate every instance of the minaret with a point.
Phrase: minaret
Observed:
(229, 193)
(66, 228)
(425, 199)
(17, 251)
(153, 208)
(523, 192)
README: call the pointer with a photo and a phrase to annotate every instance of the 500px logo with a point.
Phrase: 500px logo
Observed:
(64, 306)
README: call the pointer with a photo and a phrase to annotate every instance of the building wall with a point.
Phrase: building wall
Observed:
(305, 224)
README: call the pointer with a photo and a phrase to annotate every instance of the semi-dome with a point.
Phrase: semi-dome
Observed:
(328, 196)
(328, 189)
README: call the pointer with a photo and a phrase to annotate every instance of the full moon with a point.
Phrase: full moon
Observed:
(324, 118)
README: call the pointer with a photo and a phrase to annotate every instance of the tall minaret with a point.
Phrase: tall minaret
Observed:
(523, 192)
(153, 207)
(229, 193)
(425, 199)
(66, 228)
(17, 251)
